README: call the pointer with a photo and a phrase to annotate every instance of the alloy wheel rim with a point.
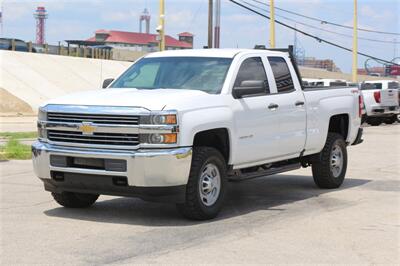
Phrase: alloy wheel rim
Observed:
(210, 184)
(336, 161)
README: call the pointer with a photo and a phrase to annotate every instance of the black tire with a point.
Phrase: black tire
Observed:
(390, 120)
(374, 121)
(75, 200)
(323, 175)
(194, 208)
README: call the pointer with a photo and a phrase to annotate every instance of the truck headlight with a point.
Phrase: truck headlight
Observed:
(159, 118)
(163, 119)
(169, 138)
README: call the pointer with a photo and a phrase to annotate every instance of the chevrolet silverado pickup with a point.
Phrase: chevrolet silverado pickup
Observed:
(178, 125)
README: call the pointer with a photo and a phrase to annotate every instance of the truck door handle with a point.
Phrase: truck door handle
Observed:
(273, 106)
(299, 103)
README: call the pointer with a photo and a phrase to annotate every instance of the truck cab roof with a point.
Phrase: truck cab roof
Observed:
(222, 53)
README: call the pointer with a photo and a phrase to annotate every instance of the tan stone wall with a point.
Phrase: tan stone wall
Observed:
(126, 55)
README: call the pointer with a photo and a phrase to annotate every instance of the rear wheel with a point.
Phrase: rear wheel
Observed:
(206, 186)
(330, 165)
(390, 120)
(374, 121)
(75, 200)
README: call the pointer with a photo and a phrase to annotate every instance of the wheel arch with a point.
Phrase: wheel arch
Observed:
(340, 123)
(218, 138)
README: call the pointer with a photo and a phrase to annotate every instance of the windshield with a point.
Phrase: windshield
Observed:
(189, 73)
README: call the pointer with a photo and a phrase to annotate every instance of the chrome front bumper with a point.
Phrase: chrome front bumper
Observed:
(145, 169)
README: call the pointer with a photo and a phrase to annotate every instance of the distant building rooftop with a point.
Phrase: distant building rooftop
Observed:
(136, 38)
(185, 34)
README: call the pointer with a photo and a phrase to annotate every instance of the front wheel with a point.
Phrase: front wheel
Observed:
(75, 200)
(206, 186)
(330, 165)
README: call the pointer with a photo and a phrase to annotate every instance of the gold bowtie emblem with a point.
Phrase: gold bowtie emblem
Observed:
(87, 128)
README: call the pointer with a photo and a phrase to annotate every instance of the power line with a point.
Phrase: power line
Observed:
(310, 35)
(328, 22)
(318, 28)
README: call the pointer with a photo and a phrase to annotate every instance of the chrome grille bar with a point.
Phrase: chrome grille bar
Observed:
(96, 138)
(98, 119)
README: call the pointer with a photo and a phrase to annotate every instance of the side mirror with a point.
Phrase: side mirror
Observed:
(107, 82)
(249, 87)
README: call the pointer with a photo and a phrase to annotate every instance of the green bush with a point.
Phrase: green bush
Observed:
(15, 150)
(19, 135)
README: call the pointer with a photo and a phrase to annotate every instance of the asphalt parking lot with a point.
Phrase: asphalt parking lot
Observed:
(277, 219)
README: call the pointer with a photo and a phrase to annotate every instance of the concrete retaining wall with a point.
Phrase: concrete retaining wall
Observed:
(35, 78)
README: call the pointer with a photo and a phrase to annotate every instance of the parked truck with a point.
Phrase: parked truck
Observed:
(178, 125)
(381, 99)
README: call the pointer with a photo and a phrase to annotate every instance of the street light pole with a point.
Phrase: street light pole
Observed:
(210, 23)
(217, 28)
(272, 25)
(161, 27)
(355, 44)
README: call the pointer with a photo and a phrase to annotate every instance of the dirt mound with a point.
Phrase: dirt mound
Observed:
(9, 104)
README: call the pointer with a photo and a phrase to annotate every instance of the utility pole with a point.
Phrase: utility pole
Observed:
(355, 44)
(161, 27)
(217, 28)
(295, 43)
(1, 18)
(210, 23)
(272, 24)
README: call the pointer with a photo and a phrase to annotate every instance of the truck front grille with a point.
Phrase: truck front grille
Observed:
(94, 118)
(97, 138)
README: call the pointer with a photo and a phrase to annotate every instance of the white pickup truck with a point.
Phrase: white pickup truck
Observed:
(381, 99)
(177, 125)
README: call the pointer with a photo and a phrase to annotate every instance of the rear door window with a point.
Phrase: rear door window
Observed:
(283, 78)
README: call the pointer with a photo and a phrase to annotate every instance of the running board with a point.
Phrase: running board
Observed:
(270, 171)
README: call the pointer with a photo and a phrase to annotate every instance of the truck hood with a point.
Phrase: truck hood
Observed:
(156, 99)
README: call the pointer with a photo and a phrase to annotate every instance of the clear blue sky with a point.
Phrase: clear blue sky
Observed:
(78, 19)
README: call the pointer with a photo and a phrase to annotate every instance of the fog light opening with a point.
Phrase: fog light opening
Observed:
(57, 176)
(120, 181)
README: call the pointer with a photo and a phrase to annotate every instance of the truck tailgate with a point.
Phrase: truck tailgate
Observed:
(389, 97)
